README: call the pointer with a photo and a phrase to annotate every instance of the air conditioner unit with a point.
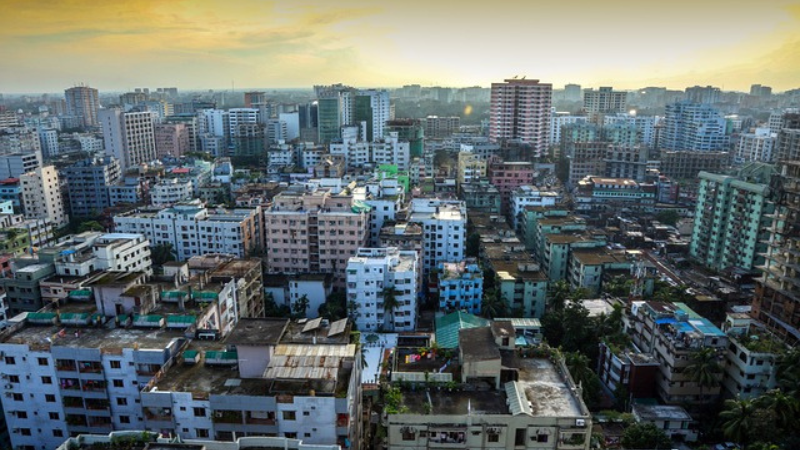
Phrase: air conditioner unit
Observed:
(9, 386)
(580, 422)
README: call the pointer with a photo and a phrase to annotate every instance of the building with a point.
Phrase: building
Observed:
(626, 367)
(695, 127)
(626, 162)
(758, 90)
(87, 185)
(672, 332)
(588, 268)
(539, 406)
(386, 199)
(254, 98)
(756, 146)
(409, 130)
(91, 251)
(13, 165)
(441, 127)
(48, 138)
(383, 283)
(83, 103)
(508, 176)
(520, 110)
(777, 298)
(22, 291)
(787, 146)
(611, 194)
(193, 230)
(314, 232)
(529, 196)
(605, 100)
(41, 196)
(558, 119)
(751, 358)
(676, 423)
(129, 136)
(171, 139)
(481, 196)
(732, 218)
(170, 191)
(471, 167)
(698, 94)
(460, 286)
(685, 165)
(586, 159)
(444, 225)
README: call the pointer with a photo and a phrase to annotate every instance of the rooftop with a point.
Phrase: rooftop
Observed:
(477, 344)
(262, 331)
(651, 413)
(545, 387)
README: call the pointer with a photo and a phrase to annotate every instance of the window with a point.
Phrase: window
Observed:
(122, 401)
(124, 419)
(53, 416)
(519, 436)
(47, 380)
(119, 383)
(25, 431)
(22, 415)
(289, 415)
(199, 412)
(50, 398)
(201, 432)
(493, 437)
(58, 433)
(116, 364)
(13, 379)
(10, 360)
(42, 361)
(541, 438)
(306, 413)
(408, 435)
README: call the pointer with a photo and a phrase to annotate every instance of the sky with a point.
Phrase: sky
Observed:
(49, 45)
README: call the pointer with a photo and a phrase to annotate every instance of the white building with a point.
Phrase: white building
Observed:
(13, 165)
(357, 153)
(91, 251)
(557, 120)
(756, 146)
(645, 126)
(375, 273)
(194, 230)
(390, 150)
(387, 199)
(128, 136)
(170, 191)
(444, 225)
(524, 196)
(292, 121)
(48, 138)
(41, 196)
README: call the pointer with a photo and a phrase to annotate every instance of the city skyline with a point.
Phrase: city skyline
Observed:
(120, 45)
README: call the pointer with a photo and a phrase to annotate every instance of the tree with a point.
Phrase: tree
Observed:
(91, 225)
(645, 436)
(578, 365)
(334, 308)
(473, 244)
(783, 408)
(352, 310)
(272, 309)
(557, 295)
(703, 368)
(493, 305)
(390, 304)
(163, 253)
(738, 420)
(668, 217)
(300, 306)
(618, 286)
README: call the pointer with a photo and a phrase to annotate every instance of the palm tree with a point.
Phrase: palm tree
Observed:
(788, 373)
(557, 295)
(738, 419)
(301, 306)
(578, 365)
(493, 305)
(703, 368)
(782, 407)
(390, 304)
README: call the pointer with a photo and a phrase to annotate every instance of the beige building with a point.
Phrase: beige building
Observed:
(471, 167)
(41, 196)
(172, 139)
(314, 232)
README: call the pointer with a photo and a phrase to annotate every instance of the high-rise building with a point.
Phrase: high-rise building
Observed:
(87, 185)
(172, 139)
(760, 91)
(699, 94)
(378, 276)
(444, 224)
(604, 100)
(441, 127)
(731, 218)
(339, 106)
(83, 103)
(756, 146)
(128, 136)
(520, 110)
(410, 130)
(572, 92)
(374, 108)
(41, 196)
(777, 298)
(254, 98)
(693, 126)
(787, 145)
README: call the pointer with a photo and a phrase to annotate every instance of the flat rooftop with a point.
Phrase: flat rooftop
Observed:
(456, 403)
(264, 331)
(661, 412)
(90, 337)
(545, 388)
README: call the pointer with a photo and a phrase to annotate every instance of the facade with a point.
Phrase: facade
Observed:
(626, 162)
(194, 230)
(605, 100)
(129, 136)
(751, 358)
(170, 191)
(444, 225)
(732, 218)
(627, 367)
(558, 120)
(41, 196)
(460, 286)
(699, 94)
(529, 196)
(471, 167)
(481, 196)
(171, 139)
(756, 146)
(83, 103)
(676, 423)
(441, 127)
(13, 165)
(520, 110)
(609, 194)
(508, 176)
(695, 127)
(314, 232)
(22, 291)
(91, 251)
(685, 165)
(87, 185)
(375, 278)
(588, 268)
(787, 146)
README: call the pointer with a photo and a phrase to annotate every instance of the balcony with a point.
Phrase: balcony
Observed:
(90, 367)
(158, 414)
(250, 419)
(228, 417)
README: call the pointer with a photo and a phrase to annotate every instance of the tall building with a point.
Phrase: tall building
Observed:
(444, 224)
(699, 94)
(695, 127)
(787, 145)
(756, 146)
(374, 108)
(129, 136)
(41, 196)
(375, 274)
(777, 299)
(520, 110)
(410, 130)
(605, 100)
(760, 91)
(683, 165)
(572, 92)
(171, 139)
(87, 185)
(731, 218)
(441, 127)
(83, 103)
(254, 98)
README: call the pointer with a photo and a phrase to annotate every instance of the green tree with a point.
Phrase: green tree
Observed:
(738, 420)
(91, 225)
(300, 306)
(645, 436)
(272, 309)
(163, 253)
(334, 308)
(782, 408)
(668, 217)
(493, 305)
(579, 367)
(618, 286)
(557, 295)
(703, 368)
(473, 244)
(390, 305)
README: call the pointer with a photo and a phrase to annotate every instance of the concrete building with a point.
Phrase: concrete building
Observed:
(512, 414)
(89, 252)
(471, 168)
(605, 100)
(644, 126)
(672, 332)
(171, 139)
(444, 224)
(787, 145)
(22, 291)
(194, 230)
(13, 165)
(626, 162)
(520, 110)
(84, 104)
(481, 196)
(441, 127)
(587, 268)
(254, 98)
(387, 200)
(170, 191)
(611, 194)
(686, 165)
(708, 95)
(529, 196)
(460, 286)
(558, 119)
(41, 196)
(756, 146)
(508, 176)
(627, 367)
(751, 358)
(777, 298)
(557, 250)
(676, 423)
(314, 232)
(383, 283)
(48, 140)
(129, 136)
(87, 185)
(695, 127)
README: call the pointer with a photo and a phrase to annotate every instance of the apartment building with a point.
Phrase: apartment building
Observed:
(172, 139)
(441, 127)
(87, 185)
(732, 218)
(604, 100)
(471, 168)
(508, 176)
(481, 196)
(460, 286)
(751, 359)
(128, 136)
(695, 127)
(377, 280)
(315, 232)
(520, 110)
(83, 103)
(672, 332)
(444, 225)
(41, 196)
(88, 252)
(529, 196)
(757, 145)
(610, 194)
(686, 165)
(193, 230)
(387, 201)
(170, 191)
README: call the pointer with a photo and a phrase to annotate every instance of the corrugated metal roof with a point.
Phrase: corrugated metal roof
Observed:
(522, 323)
(448, 326)
(341, 351)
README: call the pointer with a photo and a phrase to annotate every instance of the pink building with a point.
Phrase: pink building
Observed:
(520, 111)
(172, 139)
(314, 232)
(507, 176)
